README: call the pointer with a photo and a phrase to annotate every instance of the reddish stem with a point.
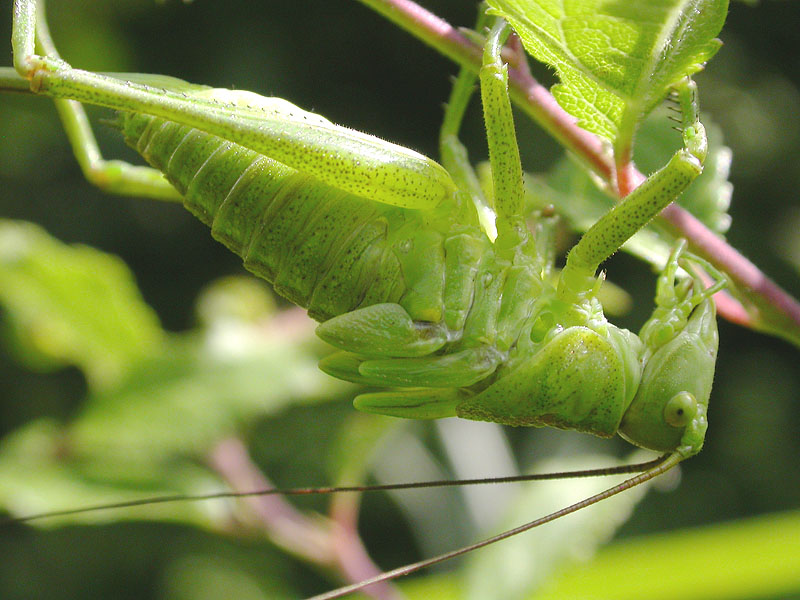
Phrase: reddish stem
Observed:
(350, 551)
(329, 544)
(625, 173)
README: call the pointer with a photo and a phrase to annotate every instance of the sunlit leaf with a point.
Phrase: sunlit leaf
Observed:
(616, 59)
(744, 559)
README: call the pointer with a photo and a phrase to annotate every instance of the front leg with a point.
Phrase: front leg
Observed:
(500, 132)
(639, 207)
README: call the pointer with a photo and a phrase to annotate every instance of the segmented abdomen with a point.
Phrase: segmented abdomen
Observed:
(322, 248)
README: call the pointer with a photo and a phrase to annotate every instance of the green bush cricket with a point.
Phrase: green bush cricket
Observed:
(462, 348)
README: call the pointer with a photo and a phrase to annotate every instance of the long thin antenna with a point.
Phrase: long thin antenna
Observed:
(662, 465)
(617, 470)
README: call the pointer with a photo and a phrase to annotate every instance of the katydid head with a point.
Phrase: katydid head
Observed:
(676, 384)
(681, 342)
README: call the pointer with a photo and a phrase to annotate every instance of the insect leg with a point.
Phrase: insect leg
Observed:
(113, 176)
(506, 199)
(500, 133)
(453, 153)
(640, 206)
(346, 159)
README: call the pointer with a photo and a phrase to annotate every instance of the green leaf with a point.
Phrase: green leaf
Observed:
(741, 560)
(149, 432)
(616, 58)
(72, 305)
(184, 401)
(36, 477)
(744, 559)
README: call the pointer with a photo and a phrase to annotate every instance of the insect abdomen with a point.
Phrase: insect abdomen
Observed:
(322, 248)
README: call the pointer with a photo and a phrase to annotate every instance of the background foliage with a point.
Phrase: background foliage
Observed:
(341, 60)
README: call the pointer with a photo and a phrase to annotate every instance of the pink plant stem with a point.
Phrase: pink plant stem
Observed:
(743, 272)
(329, 544)
(627, 177)
(285, 525)
(536, 101)
(350, 551)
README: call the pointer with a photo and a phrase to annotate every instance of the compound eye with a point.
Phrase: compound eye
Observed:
(680, 409)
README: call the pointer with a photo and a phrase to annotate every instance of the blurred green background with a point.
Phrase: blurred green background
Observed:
(339, 59)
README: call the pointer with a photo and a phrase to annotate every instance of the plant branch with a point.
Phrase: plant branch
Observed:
(330, 544)
(350, 551)
(766, 306)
